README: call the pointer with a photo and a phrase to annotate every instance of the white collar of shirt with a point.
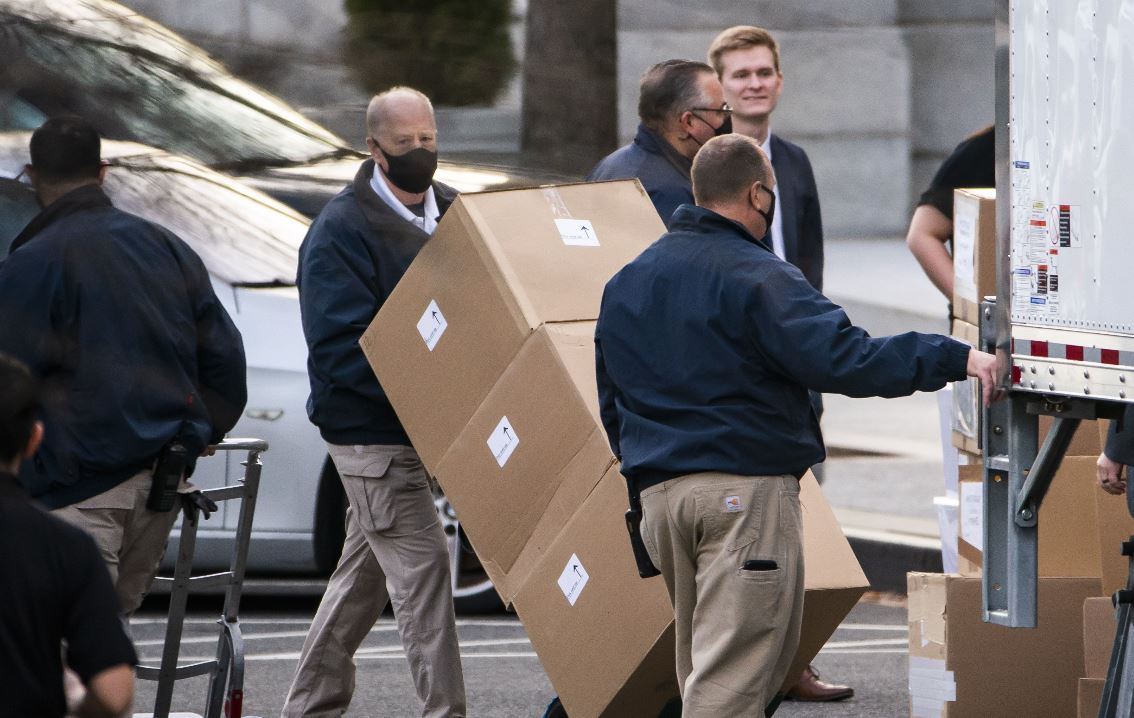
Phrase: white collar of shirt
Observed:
(427, 224)
(778, 219)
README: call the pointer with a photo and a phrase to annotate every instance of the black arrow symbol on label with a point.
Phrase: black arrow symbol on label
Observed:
(587, 231)
(577, 571)
(506, 433)
(435, 318)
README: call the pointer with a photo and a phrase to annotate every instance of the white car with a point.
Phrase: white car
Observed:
(249, 242)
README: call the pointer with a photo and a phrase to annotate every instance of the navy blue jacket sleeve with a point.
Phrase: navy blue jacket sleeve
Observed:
(32, 304)
(608, 408)
(338, 301)
(1120, 440)
(222, 370)
(809, 338)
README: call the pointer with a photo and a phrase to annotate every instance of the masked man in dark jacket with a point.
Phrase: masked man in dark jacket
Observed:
(357, 249)
(681, 106)
(117, 318)
(715, 438)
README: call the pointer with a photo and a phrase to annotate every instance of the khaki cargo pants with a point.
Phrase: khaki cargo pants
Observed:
(130, 537)
(737, 629)
(394, 550)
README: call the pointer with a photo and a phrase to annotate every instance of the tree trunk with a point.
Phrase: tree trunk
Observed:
(570, 93)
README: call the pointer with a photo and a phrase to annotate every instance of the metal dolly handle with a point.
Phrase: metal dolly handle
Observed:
(226, 671)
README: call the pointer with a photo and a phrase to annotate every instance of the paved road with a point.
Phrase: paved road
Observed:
(502, 673)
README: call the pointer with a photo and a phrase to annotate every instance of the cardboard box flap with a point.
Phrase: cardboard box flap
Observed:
(575, 345)
(828, 556)
(556, 247)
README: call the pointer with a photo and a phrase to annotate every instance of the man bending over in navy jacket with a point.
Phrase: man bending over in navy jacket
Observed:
(706, 346)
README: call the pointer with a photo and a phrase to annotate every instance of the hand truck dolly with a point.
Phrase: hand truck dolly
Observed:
(226, 671)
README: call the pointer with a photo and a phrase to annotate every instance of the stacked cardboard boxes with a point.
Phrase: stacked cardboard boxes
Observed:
(961, 666)
(486, 351)
(1098, 639)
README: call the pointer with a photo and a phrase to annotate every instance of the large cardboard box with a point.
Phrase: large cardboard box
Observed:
(1090, 696)
(974, 251)
(499, 266)
(1099, 625)
(596, 625)
(1114, 527)
(962, 667)
(593, 622)
(1069, 526)
(530, 454)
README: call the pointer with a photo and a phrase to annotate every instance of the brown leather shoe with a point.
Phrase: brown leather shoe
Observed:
(810, 688)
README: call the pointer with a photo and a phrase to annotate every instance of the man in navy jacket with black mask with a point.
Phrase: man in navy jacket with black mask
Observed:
(706, 346)
(356, 251)
(117, 318)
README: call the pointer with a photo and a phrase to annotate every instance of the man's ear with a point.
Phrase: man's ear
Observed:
(685, 123)
(34, 441)
(103, 166)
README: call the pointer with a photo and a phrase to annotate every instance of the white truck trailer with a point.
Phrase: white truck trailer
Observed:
(1064, 320)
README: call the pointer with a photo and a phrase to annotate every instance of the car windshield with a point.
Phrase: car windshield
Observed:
(138, 81)
(243, 236)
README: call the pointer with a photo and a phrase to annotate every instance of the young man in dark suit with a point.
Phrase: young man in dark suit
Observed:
(747, 62)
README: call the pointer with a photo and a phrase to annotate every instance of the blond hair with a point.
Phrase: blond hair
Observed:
(742, 37)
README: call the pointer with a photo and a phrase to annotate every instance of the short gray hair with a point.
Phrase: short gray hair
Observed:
(727, 166)
(377, 106)
(668, 88)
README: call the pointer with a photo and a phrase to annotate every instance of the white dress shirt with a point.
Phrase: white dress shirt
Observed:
(778, 219)
(427, 224)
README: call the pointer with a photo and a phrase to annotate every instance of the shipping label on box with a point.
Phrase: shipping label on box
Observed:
(500, 265)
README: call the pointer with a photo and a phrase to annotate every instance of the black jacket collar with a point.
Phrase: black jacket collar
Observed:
(11, 486)
(86, 197)
(655, 144)
(699, 220)
(379, 214)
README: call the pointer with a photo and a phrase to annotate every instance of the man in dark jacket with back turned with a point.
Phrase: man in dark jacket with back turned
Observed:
(356, 251)
(117, 318)
(716, 437)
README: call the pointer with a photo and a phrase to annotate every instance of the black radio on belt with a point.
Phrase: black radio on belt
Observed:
(646, 567)
(168, 471)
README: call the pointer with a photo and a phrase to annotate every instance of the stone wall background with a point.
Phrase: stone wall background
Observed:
(877, 91)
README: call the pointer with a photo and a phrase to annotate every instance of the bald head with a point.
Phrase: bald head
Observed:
(725, 169)
(394, 106)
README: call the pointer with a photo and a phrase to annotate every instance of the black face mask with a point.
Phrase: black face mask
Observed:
(724, 129)
(410, 172)
(771, 212)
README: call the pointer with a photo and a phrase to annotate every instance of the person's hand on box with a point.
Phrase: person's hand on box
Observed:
(1109, 475)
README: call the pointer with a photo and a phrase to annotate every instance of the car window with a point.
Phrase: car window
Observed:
(137, 81)
(17, 207)
(243, 236)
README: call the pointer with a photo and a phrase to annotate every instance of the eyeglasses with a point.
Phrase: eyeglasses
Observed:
(725, 108)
